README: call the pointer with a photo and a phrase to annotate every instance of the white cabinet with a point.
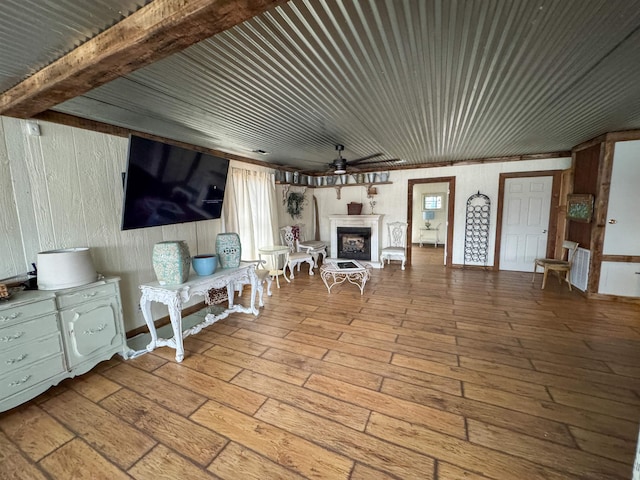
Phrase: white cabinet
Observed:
(91, 320)
(46, 336)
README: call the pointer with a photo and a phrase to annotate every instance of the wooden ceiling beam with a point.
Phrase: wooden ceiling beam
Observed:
(155, 31)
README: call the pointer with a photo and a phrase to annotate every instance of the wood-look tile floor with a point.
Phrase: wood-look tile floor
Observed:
(433, 373)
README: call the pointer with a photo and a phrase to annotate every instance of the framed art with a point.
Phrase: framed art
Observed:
(580, 207)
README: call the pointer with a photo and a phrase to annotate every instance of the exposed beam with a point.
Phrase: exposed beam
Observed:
(95, 126)
(155, 31)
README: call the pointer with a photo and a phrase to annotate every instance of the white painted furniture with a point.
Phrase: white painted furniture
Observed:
(273, 254)
(295, 258)
(430, 235)
(47, 336)
(397, 249)
(316, 248)
(262, 275)
(335, 272)
(173, 296)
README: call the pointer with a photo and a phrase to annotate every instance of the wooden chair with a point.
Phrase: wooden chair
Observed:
(288, 236)
(397, 249)
(557, 265)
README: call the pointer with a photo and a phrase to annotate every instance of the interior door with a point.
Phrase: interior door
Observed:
(622, 229)
(525, 222)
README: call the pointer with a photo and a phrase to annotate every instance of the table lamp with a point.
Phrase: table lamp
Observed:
(427, 216)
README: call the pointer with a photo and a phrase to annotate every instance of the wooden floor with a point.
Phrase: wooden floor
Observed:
(431, 374)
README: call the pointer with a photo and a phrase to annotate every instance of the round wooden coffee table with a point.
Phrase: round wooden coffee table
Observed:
(335, 272)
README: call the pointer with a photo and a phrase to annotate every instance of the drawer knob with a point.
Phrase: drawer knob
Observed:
(15, 383)
(11, 361)
(11, 338)
(93, 331)
(89, 295)
(13, 316)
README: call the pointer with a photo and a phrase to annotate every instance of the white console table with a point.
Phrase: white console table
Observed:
(427, 234)
(173, 296)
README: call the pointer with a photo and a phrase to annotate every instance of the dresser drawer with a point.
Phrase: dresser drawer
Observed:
(28, 353)
(25, 332)
(77, 297)
(31, 375)
(26, 311)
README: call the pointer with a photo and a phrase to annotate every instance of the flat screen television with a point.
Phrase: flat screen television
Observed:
(165, 184)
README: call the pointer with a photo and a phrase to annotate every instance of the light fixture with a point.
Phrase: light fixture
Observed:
(427, 216)
(339, 171)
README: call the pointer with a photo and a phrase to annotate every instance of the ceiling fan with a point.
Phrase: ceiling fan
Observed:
(339, 165)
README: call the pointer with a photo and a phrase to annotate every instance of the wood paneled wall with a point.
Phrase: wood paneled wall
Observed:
(585, 180)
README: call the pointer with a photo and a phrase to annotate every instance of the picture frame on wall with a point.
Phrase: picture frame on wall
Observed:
(580, 207)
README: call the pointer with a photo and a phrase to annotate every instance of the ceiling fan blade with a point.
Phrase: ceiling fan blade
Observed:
(364, 159)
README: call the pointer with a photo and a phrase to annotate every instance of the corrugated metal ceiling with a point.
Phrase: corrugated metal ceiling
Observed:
(425, 81)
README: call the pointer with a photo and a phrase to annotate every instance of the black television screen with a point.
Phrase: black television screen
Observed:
(166, 184)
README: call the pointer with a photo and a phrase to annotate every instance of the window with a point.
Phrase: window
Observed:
(432, 201)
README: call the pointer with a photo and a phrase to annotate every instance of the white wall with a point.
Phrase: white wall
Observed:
(391, 200)
(64, 189)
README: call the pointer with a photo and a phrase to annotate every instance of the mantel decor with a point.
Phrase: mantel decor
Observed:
(580, 207)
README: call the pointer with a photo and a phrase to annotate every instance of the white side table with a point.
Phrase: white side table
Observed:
(274, 252)
(427, 234)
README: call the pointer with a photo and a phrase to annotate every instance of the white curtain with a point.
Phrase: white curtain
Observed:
(250, 210)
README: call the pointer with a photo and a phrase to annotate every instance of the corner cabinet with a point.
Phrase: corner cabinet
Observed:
(47, 336)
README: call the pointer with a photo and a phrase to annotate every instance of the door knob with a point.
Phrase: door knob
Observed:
(544, 231)
(613, 221)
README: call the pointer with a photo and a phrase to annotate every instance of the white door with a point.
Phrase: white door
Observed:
(525, 222)
(622, 229)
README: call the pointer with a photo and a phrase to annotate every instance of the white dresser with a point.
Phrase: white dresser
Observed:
(47, 336)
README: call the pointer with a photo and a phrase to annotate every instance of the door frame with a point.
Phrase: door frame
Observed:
(451, 197)
(553, 212)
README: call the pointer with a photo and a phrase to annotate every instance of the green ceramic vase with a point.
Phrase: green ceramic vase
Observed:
(171, 262)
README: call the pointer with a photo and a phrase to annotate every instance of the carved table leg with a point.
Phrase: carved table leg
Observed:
(145, 308)
(175, 314)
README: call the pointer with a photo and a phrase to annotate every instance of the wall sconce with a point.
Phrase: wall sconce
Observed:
(427, 216)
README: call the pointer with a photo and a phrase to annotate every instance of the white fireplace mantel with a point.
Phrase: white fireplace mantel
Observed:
(372, 221)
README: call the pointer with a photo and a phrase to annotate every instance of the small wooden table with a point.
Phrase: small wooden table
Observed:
(334, 272)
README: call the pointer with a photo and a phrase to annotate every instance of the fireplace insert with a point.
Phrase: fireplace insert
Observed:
(354, 242)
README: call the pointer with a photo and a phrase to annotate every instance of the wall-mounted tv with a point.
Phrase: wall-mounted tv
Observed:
(165, 184)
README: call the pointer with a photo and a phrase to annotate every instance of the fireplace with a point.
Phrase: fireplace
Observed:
(365, 248)
(354, 243)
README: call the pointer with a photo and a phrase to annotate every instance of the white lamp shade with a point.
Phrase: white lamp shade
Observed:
(65, 268)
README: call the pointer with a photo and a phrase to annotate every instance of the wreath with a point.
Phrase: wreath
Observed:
(295, 204)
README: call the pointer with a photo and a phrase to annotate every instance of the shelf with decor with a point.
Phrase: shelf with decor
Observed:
(340, 185)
